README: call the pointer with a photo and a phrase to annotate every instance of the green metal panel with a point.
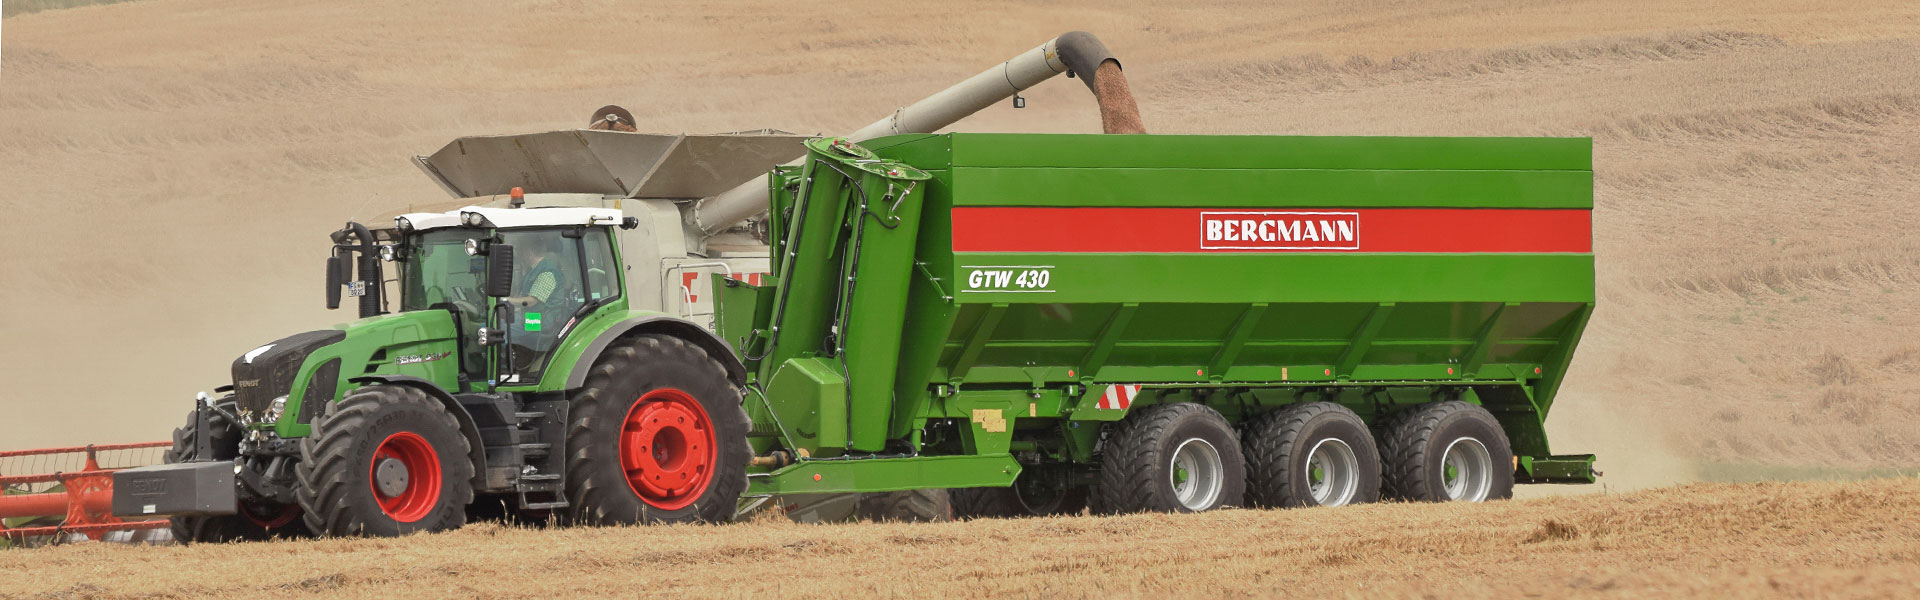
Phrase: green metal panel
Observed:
(413, 344)
(811, 406)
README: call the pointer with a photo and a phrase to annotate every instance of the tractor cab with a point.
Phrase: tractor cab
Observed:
(515, 281)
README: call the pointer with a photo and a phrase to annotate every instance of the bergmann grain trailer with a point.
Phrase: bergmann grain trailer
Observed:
(1167, 322)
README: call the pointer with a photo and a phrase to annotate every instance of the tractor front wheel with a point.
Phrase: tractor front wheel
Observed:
(387, 460)
(658, 436)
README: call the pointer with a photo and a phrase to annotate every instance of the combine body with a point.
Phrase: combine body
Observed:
(1045, 285)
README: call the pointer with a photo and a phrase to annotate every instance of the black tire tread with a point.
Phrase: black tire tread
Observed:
(595, 411)
(1406, 441)
(910, 506)
(323, 489)
(1127, 465)
(1268, 443)
(985, 503)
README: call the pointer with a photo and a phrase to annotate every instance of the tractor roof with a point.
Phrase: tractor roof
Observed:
(504, 218)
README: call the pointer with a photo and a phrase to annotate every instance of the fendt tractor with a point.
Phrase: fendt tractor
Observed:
(611, 327)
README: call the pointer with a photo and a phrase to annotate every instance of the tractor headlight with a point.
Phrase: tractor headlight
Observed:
(386, 253)
(274, 411)
(474, 219)
(403, 224)
(473, 247)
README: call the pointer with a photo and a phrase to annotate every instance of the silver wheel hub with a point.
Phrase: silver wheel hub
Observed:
(1198, 474)
(1332, 473)
(1466, 470)
(390, 475)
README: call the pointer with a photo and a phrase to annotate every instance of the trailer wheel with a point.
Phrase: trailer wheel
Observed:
(1446, 451)
(658, 436)
(910, 506)
(1038, 492)
(1313, 454)
(255, 521)
(1172, 458)
(386, 460)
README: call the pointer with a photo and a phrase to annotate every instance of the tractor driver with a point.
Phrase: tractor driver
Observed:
(543, 297)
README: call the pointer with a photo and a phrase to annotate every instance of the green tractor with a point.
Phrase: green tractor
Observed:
(508, 372)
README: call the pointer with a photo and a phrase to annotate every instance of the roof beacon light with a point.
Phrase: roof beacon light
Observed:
(516, 197)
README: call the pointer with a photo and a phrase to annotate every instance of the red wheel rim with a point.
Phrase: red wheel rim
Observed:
(667, 449)
(423, 476)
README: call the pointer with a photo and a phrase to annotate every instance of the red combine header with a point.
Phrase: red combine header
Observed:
(57, 493)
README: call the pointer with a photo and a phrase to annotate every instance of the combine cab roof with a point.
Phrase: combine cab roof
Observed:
(585, 161)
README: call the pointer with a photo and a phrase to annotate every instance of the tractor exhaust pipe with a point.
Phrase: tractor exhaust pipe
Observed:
(1077, 53)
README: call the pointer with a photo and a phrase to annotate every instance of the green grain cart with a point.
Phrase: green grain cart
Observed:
(1167, 322)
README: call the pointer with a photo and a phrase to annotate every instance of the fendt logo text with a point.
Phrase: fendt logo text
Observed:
(1269, 230)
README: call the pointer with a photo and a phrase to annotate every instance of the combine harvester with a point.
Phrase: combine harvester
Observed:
(1036, 322)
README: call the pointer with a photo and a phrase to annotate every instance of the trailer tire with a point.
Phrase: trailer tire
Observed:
(1146, 454)
(909, 506)
(386, 460)
(676, 401)
(1445, 451)
(255, 522)
(1022, 499)
(1288, 449)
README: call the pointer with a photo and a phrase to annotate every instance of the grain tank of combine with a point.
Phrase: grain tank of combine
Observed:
(1167, 322)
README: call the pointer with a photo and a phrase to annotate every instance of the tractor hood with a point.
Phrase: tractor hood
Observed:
(613, 163)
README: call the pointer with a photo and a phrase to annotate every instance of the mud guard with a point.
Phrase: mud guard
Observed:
(664, 324)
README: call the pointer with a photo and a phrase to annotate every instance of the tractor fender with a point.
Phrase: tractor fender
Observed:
(662, 324)
(476, 449)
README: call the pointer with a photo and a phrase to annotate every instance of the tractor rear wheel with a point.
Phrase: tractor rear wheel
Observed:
(1312, 454)
(256, 521)
(386, 460)
(1446, 451)
(1180, 457)
(658, 436)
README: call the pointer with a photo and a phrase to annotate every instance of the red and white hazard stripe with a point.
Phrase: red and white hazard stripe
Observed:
(1118, 397)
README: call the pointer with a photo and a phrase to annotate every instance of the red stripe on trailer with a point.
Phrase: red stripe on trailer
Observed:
(1197, 230)
(686, 285)
(1118, 397)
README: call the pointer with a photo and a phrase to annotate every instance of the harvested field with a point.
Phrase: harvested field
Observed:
(1853, 539)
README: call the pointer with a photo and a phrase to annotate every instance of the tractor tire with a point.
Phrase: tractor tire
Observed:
(1180, 457)
(1029, 496)
(658, 435)
(1312, 454)
(1445, 451)
(910, 506)
(386, 460)
(255, 521)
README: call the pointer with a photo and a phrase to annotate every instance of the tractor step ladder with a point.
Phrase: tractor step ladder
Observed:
(549, 484)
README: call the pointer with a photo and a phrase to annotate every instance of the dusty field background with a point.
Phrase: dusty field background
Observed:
(1835, 539)
(169, 169)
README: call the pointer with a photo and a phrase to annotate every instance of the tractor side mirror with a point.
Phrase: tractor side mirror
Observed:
(500, 270)
(336, 277)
